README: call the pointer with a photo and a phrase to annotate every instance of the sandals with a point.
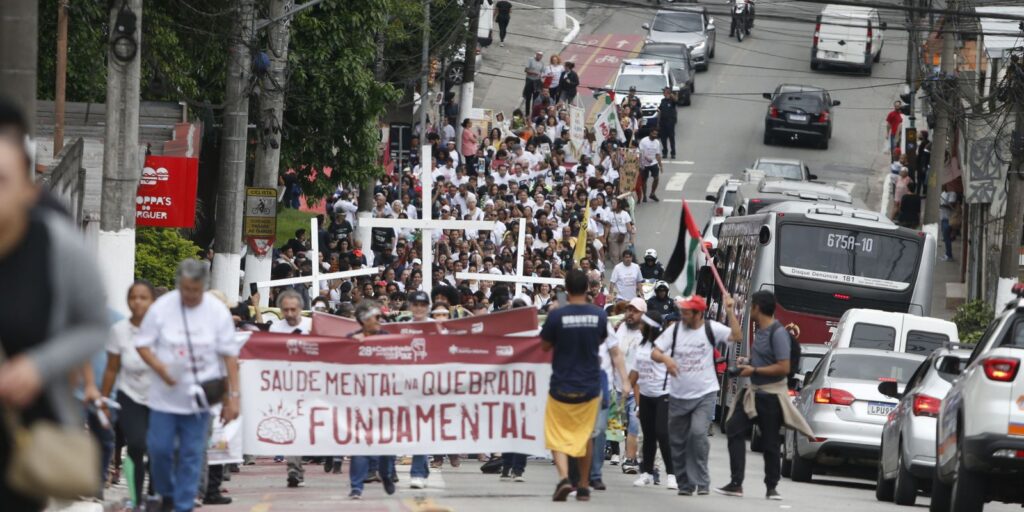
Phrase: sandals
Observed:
(562, 490)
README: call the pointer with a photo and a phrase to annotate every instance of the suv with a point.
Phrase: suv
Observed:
(799, 111)
(980, 438)
(649, 77)
(680, 66)
(784, 168)
(692, 26)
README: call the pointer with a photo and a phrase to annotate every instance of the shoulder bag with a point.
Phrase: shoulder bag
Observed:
(213, 389)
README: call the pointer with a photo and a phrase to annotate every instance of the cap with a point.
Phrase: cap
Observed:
(440, 310)
(638, 304)
(693, 303)
(417, 261)
(632, 88)
(419, 297)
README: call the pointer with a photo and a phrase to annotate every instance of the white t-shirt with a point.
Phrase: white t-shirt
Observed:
(213, 336)
(649, 151)
(695, 358)
(135, 375)
(629, 340)
(625, 279)
(611, 341)
(281, 326)
(651, 374)
(619, 221)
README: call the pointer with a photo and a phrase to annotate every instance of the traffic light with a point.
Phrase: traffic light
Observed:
(907, 98)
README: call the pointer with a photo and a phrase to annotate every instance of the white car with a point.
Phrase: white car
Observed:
(725, 198)
(980, 437)
(847, 36)
(711, 231)
(650, 77)
(907, 461)
(899, 332)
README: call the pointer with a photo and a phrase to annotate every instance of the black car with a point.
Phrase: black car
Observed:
(680, 65)
(799, 112)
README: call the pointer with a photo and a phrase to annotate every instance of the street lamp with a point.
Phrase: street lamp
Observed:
(123, 44)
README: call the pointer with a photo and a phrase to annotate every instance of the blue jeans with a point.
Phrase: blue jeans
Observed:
(599, 441)
(513, 462)
(633, 422)
(420, 468)
(947, 237)
(176, 444)
(105, 438)
(360, 468)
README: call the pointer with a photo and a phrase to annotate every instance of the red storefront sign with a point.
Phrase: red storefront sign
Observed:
(167, 192)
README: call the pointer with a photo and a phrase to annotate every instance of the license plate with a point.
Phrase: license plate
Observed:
(880, 408)
(798, 118)
(831, 55)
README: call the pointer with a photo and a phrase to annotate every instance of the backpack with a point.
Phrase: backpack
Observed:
(672, 352)
(794, 350)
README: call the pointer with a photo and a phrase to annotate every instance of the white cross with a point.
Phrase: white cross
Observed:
(519, 279)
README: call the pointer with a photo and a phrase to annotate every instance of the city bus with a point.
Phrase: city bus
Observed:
(820, 260)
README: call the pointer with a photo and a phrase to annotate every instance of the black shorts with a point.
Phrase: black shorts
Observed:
(651, 171)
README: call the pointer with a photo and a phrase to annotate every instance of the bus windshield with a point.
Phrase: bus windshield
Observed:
(847, 255)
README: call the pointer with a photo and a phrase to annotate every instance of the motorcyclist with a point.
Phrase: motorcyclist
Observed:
(650, 268)
(750, 15)
(662, 303)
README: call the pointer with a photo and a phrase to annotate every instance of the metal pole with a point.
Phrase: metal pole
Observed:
(428, 205)
(62, 74)
(231, 184)
(944, 121)
(559, 9)
(424, 80)
(19, 33)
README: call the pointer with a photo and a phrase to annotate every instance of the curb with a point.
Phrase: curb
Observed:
(572, 33)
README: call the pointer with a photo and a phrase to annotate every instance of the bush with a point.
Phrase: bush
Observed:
(971, 319)
(158, 252)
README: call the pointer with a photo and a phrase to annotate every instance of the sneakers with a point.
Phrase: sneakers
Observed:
(773, 494)
(685, 492)
(389, 485)
(644, 480)
(703, 491)
(598, 485)
(294, 481)
(372, 478)
(671, 482)
(336, 467)
(562, 490)
(418, 483)
(654, 198)
(505, 476)
(945, 258)
(614, 460)
(518, 477)
(582, 494)
(355, 495)
(216, 499)
(630, 467)
(733, 489)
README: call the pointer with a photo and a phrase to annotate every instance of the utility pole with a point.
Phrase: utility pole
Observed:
(62, 75)
(227, 245)
(1009, 261)
(468, 70)
(558, 6)
(425, 78)
(122, 155)
(19, 33)
(268, 152)
(943, 117)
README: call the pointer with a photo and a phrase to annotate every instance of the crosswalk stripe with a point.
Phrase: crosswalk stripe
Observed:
(716, 183)
(848, 186)
(677, 181)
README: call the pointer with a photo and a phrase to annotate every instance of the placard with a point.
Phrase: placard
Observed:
(629, 172)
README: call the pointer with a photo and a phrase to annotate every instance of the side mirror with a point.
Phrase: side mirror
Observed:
(646, 26)
(807, 377)
(890, 389)
(812, 177)
(766, 95)
(883, 25)
(711, 197)
(836, 103)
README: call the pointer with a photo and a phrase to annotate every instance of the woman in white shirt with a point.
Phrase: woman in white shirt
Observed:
(132, 375)
(554, 72)
(650, 384)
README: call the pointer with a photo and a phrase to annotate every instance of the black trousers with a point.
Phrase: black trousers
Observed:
(531, 89)
(653, 418)
(769, 420)
(134, 423)
(667, 135)
(502, 28)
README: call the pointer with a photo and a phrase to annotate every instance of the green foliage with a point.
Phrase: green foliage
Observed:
(971, 319)
(158, 252)
(289, 220)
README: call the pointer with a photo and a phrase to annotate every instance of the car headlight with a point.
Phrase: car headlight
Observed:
(701, 45)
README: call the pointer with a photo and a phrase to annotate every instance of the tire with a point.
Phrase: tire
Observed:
(868, 70)
(787, 463)
(905, 487)
(968, 493)
(712, 54)
(802, 468)
(454, 73)
(693, 87)
(883, 487)
(823, 144)
(941, 492)
(878, 56)
(768, 138)
(740, 34)
(688, 100)
(756, 440)
(814, 65)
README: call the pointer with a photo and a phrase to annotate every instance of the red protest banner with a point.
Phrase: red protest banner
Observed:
(393, 394)
(325, 324)
(513, 321)
(167, 192)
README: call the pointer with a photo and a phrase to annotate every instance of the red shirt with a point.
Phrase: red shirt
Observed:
(895, 119)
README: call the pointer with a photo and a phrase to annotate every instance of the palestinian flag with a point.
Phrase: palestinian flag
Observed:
(687, 256)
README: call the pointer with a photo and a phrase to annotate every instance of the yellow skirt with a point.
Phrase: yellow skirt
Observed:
(568, 428)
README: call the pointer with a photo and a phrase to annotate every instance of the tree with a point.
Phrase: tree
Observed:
(158, 252)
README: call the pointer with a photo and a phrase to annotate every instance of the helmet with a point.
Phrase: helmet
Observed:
(650, 253)
(660, 284)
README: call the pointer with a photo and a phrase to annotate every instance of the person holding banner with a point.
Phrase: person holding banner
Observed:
(419, 305)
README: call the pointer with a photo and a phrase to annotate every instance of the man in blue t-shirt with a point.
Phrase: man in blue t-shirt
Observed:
(573, 333)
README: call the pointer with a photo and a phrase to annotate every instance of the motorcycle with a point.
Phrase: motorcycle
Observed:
(742, 14)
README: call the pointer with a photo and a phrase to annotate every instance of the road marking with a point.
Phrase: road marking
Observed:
(678, 162)
(677, 181)
(671, 201)
(688, 201)
(716, 183)
(848, 186)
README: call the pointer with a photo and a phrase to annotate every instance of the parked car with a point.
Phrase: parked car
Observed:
(980, 437)
(810, 355)
(885, 330)
(842, 405)
(692, 26)
(798, 112)
(907, 459)
(783, 168)
(752, 197)
(725, 199)
(710, 233)
(847, 36)
(680, 67)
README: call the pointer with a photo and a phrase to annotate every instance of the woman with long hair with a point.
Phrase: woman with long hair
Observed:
(649, 383)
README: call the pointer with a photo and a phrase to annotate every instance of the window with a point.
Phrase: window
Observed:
(949, 367)
(848, 256)
(1017, 340)
(678, 22)
(924, 342)
(881, 337)
(872, 368)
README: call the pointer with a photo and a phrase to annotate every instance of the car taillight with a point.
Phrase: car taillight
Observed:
(833, 396)
(823, 118)
(1001, 369)
(793, 392)
(925, 405)
(755, 201)
(773, 112)
(869, 39)
(840, 296)
(817, 30)
(719, 211)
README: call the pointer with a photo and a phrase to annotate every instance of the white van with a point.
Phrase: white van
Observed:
(897, 332)
(847, 36)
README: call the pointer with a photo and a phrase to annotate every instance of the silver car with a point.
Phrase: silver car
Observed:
(692, 26)
(842, 404)
(908, 437)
